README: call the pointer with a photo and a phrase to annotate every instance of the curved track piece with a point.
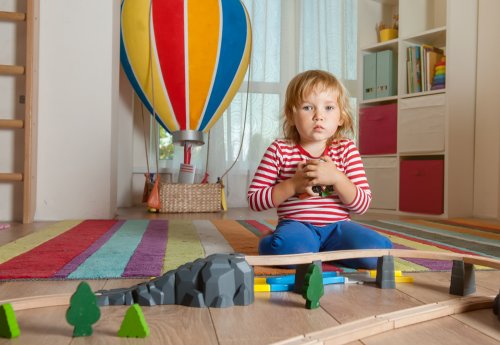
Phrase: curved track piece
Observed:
(293, 259)
(355, 330)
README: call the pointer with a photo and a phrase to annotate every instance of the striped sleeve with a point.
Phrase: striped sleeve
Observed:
(355, 171)
(259, 193)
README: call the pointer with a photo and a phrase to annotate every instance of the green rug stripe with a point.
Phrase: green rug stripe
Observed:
(110, 260)
(183, 244)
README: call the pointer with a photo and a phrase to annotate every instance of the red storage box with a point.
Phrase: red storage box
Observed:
(421, 186)
(378, 129)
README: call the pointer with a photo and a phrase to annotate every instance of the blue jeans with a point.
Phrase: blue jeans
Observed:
(293, 237)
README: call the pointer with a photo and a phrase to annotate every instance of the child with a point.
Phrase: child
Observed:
(315, 152)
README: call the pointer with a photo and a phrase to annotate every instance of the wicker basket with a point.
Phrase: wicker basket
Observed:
(182, 198)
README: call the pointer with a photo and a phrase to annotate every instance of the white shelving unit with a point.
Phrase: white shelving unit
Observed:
(433, 126)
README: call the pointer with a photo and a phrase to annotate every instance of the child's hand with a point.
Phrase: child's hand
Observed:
(322, 172)
(301, 181)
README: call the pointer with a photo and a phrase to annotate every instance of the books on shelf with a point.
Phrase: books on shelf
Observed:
(421, 61)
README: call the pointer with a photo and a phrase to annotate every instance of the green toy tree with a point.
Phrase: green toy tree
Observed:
(8, 322)
(312, 290)
(83, 310)
(134, 324)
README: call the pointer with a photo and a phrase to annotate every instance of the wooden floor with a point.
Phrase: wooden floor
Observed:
(273, 316)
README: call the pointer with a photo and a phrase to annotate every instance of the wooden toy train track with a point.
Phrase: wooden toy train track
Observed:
(351, 331)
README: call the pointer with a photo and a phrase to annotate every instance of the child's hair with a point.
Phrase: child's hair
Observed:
(300, 87)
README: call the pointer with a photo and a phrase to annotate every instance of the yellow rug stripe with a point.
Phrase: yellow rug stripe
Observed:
(28, 242)
(408, 266)
(183, 244)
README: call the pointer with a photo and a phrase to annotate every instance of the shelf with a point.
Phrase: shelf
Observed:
(421, 94)
(433, 125)
(435, 37)
(372, 48)
(378, 100)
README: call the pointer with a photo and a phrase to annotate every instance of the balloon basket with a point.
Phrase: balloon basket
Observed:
(190, 198)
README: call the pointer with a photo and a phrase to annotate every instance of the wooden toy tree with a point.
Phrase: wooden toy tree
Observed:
(83, 310)
(312, 290)
(8, 323)
(134, 324)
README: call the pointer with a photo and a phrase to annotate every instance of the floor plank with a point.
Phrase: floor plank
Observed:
(442, 331)
(352, 301)
(272, 317)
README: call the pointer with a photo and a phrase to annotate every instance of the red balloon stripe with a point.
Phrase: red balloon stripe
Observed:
(168, 16)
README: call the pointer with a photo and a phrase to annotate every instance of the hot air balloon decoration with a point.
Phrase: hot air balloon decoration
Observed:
(186, 60)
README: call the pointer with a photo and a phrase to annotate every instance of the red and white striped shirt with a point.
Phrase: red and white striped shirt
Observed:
(280, 163)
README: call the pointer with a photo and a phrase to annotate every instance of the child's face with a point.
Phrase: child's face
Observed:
(318, 117)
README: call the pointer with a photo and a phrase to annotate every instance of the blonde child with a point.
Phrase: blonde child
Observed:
(315, 152)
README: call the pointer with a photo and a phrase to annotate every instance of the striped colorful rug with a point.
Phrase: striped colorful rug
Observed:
(98, 249)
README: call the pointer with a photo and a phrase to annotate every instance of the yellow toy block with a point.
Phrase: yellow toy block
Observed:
(262, 288)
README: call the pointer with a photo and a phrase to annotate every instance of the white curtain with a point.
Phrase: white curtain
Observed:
(289, 36)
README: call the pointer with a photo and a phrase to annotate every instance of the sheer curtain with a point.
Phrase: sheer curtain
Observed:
(289, 36)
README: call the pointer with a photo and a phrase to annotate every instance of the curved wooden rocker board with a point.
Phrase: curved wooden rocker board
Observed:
(306, 258)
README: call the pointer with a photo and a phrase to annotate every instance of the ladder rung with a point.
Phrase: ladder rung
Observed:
(11, 69)
(11, 177)
(11, 123)
(13, 16)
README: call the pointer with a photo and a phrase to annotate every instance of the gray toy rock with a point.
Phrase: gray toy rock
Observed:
(219, 280)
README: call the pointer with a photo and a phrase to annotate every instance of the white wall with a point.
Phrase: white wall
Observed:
(125, 143)
(78, 97)
(487, 140)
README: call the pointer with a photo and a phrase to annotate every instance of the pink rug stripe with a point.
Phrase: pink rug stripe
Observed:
(50, 257)
(77, 261)
(148, 257)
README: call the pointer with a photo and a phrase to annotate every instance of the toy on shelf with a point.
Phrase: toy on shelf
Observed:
(384, 33)
(439, 80)
(83, 310)
(134, 324)
(8, 323)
